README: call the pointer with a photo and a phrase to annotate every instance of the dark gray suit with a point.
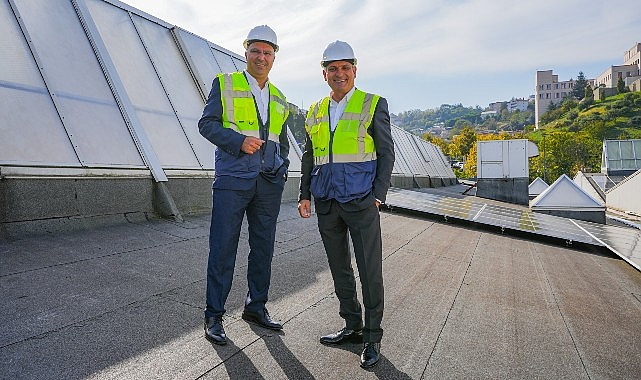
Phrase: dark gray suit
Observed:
(361, 219)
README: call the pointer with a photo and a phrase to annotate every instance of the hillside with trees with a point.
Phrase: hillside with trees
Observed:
(446, 115)
(570, 137)
(449, 120)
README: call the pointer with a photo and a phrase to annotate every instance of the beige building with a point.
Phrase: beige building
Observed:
(496, 106)
(610, 77)
(549, 90)
(630, 71)
(633, 85)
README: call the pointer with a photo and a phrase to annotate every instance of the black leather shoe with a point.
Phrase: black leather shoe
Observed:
(343, 336)
(214, 331)
(262, 319)
(371, 354)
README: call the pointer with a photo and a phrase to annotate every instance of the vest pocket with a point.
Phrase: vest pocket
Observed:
(358, 178)
(244, 116)
(320, 183)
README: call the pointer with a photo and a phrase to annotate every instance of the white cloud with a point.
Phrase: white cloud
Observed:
(419, 40)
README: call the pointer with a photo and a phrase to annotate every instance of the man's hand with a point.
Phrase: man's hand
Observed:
(305, 208)
(251, 144)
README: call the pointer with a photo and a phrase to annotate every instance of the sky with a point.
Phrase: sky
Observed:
(420, 54)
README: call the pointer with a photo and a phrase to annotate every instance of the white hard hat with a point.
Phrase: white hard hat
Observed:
(261, 33)
(338, 51)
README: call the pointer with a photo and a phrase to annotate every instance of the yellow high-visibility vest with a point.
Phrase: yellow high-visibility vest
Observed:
(351, 142)
(239, 109)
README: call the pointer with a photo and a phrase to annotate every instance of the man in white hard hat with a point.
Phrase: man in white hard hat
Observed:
(347, 167)
(246, 117)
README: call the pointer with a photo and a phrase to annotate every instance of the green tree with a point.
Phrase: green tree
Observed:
(439, 142)
(462, 143)
(298, 124)
(579, 86)
(621, 88)
(588, 93)
(565, 153)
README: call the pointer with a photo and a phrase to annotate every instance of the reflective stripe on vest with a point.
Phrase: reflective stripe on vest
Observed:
(239, 108)
(351, 142)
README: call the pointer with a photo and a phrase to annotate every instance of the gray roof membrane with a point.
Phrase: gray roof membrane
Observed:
(624, 242)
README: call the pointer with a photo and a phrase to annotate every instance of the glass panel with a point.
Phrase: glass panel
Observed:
(224, 61)
(178, 84)
(16, 61)
(294, 160)
(637, 148)
(240, 65)
(27, 136)
(626, 149)
(613, 150)
(628, 164)
(143, 87)
(85, 100)
(202, 57)
(30, 137)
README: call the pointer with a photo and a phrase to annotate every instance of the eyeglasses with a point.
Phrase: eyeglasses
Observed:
(266, 53)
(335, 68)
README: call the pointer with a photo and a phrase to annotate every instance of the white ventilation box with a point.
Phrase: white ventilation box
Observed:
(504, 158)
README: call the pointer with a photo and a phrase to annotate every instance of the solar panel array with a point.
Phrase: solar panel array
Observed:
(624, 242)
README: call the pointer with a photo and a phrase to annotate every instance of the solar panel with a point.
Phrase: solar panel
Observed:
(624, 242)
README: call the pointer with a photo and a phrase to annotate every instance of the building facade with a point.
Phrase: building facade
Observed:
(633, 56)
(610, 77)
(517, 105)
(549, 91)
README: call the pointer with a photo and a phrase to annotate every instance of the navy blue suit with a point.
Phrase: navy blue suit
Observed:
(244, 184)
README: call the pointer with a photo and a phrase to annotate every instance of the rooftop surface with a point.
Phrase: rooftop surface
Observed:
(125, 300)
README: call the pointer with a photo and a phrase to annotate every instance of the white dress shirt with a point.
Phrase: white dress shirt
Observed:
(336, 109)
(261, 96)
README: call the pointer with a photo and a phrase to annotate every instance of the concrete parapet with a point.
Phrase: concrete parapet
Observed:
(588, 216)
(512, 190)
(403, 181)
(422, 181)
(45, 204)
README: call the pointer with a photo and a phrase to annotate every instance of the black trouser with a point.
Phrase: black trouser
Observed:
(365, 230)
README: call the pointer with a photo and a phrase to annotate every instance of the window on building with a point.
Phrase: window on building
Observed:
(556, 86)
(547, 87)
(556, 95)
(547, 96)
